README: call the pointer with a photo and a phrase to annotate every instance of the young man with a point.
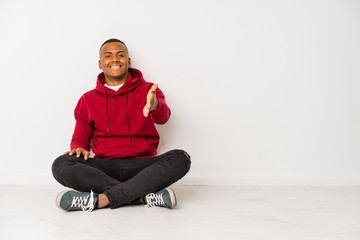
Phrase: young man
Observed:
(116, 120)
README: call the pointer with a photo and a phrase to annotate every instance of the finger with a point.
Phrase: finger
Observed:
(154, 87)
(146, 110)
(146, 113)
(67, 152)
(78, 153)
(86, 155)
(151, 92)
(149, 98)
(71, 152)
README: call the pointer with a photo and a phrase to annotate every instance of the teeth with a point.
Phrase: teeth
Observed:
(116, 67)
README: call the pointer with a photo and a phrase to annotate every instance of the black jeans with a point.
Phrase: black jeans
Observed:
(122, 180)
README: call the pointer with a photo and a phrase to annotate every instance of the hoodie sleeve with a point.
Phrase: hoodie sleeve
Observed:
(162, 113)
(83, 128)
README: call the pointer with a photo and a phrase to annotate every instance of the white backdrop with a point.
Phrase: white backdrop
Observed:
(261, 92)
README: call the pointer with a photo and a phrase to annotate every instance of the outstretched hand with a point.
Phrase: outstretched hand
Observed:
(78, 151)
(151, 101)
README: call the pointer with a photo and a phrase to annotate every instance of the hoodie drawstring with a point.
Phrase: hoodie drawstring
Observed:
(107, 115)
(126, 111)
(127, 118)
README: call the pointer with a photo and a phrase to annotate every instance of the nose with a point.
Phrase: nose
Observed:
(115, 58)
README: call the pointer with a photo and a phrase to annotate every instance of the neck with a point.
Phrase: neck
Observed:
(116, 81)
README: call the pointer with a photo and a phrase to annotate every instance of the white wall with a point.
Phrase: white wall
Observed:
(261, 92)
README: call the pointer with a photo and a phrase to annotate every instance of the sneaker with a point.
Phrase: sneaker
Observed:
(163, 198)
(72, 201)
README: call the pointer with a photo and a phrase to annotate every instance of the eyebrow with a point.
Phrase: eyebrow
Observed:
(111, 52)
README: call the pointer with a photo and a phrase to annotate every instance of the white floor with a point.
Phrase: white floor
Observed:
(203, 212)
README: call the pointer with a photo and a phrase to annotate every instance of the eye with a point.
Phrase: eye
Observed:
(107, 56)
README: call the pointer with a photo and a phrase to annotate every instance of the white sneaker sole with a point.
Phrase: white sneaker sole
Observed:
(172, 197)
(58, 198)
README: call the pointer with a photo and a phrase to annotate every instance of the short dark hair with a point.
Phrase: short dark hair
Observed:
(112, 40)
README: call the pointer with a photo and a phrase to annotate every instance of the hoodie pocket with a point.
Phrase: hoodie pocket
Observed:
(120, 147)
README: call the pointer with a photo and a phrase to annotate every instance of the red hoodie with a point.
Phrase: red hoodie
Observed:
(113, 122)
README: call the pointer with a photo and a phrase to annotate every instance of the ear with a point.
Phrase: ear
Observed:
(129, 62)
(100, 67)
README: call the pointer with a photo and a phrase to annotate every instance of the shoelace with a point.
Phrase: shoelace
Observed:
(153, 199)
(80, 201)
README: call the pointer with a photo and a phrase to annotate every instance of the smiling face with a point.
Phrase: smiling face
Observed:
(115, 63)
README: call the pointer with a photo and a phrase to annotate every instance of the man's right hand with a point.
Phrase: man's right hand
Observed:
(78, 151)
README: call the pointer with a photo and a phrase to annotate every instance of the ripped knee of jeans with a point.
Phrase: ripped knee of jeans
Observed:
(187, 155)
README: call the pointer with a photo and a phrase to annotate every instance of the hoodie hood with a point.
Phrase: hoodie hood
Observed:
(135, 78)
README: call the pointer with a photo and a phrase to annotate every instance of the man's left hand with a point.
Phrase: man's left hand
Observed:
(151, 101)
